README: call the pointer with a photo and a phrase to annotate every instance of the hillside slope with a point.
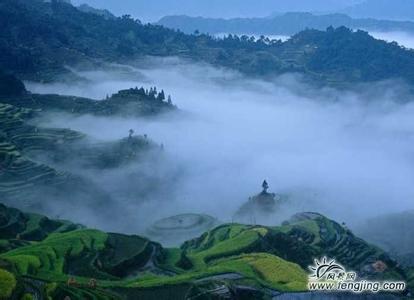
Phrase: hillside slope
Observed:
(40, 39)
(233, 261)
(40, 162)
(285, 24)
(392, 233)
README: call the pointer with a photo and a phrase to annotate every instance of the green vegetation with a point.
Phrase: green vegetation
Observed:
(300, 240)
(89, 263)
(270, 270)
(53, 259)
(22, 178)
(10, 85)
(48, 258)
(216, 245)
(27, 297)
(18, 229)
(280, 24)
(40, 38)
(31, 156)
(263, 269)
(132, 102)
(410, 276)
(7, 284)
(170, 260)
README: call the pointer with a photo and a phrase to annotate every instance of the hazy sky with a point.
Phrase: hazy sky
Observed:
(152, 10)
(383, 9)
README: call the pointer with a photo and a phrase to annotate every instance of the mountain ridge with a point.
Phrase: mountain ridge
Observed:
(281, 24)
(41, 39)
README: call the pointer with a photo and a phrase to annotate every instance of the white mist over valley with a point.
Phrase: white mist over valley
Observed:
(198, 150)
(346, 154)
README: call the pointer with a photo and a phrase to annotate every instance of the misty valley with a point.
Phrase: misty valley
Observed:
(204, 158)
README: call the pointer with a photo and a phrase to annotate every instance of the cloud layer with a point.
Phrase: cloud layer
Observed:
(347, 154)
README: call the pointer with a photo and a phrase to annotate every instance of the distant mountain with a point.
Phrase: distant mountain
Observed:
(152, 10)
(39, 40)
(383, 9)
(285, 24)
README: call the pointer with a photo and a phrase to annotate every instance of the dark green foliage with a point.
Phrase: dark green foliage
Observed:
(8, 245)
(175, 292)
(10, 85)
(291, 249)
(131, 102)
(83, 293)
(38, 39)
(280, 24)
(125, 254)
(18, 227)
(355, 56)
(305, 237)
(120, 257)
(12, 222)
(184, 262)
(211, 290)
(27, 178)
(126, 266)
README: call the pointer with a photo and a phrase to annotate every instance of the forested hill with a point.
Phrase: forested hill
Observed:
(56, 259)
(39, 39)
(280, 24)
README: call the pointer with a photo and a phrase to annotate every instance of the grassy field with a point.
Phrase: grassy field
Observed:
(264, 269)
(7, 284)
(48, 257)
(259, 256)
(221, 247)
(270, 270)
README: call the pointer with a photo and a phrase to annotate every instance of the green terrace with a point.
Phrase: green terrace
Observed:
(60, 258)
(31, 155)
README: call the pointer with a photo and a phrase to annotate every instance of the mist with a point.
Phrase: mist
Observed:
(346, 154)
(405, 39)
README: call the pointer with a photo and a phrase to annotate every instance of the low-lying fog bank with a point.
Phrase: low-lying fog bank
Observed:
(348, 154)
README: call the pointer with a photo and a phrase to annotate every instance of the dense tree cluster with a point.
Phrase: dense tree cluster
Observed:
(38, 36)
(355, 55)
(280, 24)
(151, 94)
(10, 85)
(38, 39)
